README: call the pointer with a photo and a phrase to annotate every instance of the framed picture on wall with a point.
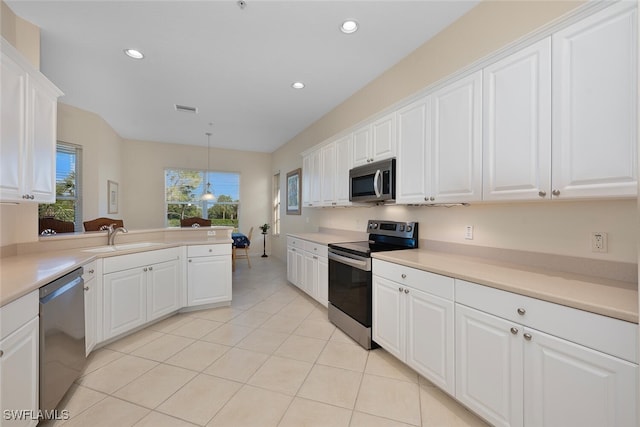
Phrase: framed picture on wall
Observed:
(112, 197)
(294, 179)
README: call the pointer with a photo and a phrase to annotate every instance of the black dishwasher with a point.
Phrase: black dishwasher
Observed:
(62, 337)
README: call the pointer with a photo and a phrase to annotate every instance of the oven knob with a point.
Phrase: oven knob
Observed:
(409, 228)
(375, 225)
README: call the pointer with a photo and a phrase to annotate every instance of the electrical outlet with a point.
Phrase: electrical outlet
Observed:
(599, 241)
(468, 232)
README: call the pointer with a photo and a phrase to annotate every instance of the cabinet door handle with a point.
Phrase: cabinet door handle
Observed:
(432, 198)
(150, 268)
(91, 271)
(1, 353)
(190, 260)
(399, 289)
(404, 276)
(521, 311)
(527, 337)
(406, 291)
(514, 331)
(210, 250)
(315, 257)
(145, 269)
(542, 193)
(556, 192)
(86, 288)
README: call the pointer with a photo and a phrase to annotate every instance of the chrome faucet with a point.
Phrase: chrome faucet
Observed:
(111, 233)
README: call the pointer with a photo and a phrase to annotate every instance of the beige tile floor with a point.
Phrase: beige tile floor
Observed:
(271, 359)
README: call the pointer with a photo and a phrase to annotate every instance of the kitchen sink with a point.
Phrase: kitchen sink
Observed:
(123, 247)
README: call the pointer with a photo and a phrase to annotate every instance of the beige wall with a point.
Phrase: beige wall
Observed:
(144, 163)
(558, 228)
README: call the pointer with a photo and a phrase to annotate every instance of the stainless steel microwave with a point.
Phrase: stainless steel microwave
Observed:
(374, 182)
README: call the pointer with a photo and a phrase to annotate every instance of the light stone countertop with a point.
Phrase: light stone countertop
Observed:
(611, 298)
(325, 238)
(21, 274)
(607, 297)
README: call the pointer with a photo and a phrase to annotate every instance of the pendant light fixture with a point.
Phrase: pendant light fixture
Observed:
(208, 194)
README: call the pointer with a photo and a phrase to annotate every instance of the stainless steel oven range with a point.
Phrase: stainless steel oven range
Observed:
(350, 287)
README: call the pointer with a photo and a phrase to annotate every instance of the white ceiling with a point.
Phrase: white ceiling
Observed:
(235, 65)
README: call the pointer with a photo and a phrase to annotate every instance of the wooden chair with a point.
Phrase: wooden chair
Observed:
(195, 222)
(238, 254)
(49, 225)
(100, 224)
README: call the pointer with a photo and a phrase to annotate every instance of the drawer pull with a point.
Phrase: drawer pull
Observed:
(1, 353)
(86, 288)
(521, 311)
(91, 271)
(190, 260)
(404, 276)
(406, 291)
(399, 289)
(150, 268)
(514, 331)
(527, 337)
(145, 269)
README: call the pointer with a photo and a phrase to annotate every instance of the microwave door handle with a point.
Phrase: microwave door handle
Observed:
(376, 178)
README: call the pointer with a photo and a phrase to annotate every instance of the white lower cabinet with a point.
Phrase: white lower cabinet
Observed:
(19, 347)
(208, 274)
(413, 319)
(90, 305)
(489, 366)
(512, 374)
(139, 288)
(308, 268)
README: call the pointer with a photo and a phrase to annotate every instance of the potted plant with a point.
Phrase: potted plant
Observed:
(264, 227)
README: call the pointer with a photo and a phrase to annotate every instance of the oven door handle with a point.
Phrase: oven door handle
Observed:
(360, 265)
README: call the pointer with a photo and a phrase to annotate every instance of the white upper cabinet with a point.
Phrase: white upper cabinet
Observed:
(595, 97)
(375, 141)
(344, 162)
(328, 174)
(456, 128)
(413, 171)
(28, 134)
(517, 125)
(312, 178)
(440, 145)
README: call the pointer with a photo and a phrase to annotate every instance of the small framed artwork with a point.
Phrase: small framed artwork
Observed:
(112, 197)
(294, 186)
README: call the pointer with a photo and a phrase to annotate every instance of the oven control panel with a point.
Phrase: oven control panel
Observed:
(393, 228)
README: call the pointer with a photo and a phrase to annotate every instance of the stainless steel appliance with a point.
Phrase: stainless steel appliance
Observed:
(62, 338)
(350, 276)
(374, 182)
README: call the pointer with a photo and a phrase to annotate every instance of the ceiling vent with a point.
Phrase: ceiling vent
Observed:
(186, 109)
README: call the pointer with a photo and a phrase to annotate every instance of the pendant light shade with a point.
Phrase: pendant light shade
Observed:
(208, 194)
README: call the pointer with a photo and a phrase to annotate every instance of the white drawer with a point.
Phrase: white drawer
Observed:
(139, 259)
(295, 242)
(89, 271)
(435, 284)
(315, 248)
(606, 334)
(208, 250)
(18, 313)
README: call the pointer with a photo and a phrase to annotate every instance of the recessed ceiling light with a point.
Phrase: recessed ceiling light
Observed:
(349, 26)
(133, 53)
(297, 85)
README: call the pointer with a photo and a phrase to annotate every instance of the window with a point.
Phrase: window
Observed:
(68, 205)
(183, 195)
(276, 204)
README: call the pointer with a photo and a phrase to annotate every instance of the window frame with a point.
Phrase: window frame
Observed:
(202, 205)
